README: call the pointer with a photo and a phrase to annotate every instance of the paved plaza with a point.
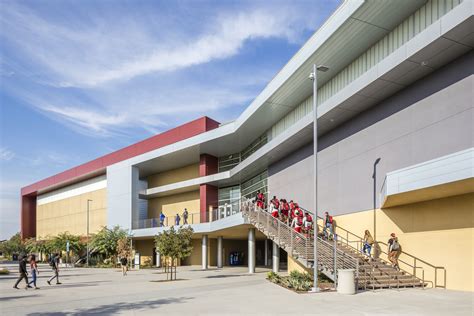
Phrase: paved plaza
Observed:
(228, 291)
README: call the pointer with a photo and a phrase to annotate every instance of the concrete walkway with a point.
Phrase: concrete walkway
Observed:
(230, 291)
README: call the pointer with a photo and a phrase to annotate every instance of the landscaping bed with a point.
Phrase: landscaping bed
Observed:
(299, 282)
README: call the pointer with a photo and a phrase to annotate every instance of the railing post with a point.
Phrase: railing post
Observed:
(414, 267)
(335, 262)
(291, 241)
(436, 279)
(268, 224)
(278, 233)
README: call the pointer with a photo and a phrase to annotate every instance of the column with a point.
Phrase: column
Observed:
(266, 253)
(207, 193)
(158, 259)
(276, 258)
(251, 250)
(204, 252)
(219, 252)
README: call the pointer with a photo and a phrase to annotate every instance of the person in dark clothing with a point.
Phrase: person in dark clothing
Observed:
(23, 273)
(124, 264)
(54, 263)
(185, 217)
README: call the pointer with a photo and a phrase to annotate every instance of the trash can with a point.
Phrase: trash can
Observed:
(346, 281)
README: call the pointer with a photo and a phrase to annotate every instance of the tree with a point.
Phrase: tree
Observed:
(105, 241)
(13, 246)
(174, 245)
(124, 249)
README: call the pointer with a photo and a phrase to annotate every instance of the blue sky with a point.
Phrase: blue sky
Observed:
(79, 79)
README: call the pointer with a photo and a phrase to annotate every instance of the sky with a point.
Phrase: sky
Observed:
(80, 79)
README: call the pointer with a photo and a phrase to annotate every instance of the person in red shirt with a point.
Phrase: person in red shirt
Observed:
(260, 200)
(275, 207)
(285, 208)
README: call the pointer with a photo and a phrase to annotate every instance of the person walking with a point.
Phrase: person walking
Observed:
(123, 263)
(177, 219)
(393, 250)
(34, 271)
(54, 263)
(328, 225)
(185, 217)
(162, 219)
(368, 242)
(23, 273)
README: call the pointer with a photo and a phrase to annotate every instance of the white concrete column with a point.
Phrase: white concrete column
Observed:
(276, 258)
(266, 253)
(158, 259)
(219, 252)
(251, 250)
(204, 252)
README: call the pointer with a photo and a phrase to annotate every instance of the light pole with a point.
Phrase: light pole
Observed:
(87, 258)
(374, 176)
(314, 77)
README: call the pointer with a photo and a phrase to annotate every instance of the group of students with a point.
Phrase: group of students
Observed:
(22, 263)
(393, 251)
(302, 222)
(177, 218)
(295, 216)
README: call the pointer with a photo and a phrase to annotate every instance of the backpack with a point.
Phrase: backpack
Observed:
(395, 245)
(51, 262)
(309, 218)
(330, 219)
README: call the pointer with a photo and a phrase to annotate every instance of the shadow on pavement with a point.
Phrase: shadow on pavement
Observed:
(113, 309)
(10, 298)
(222, 276)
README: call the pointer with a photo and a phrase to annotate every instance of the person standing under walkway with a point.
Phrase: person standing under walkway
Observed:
(185, 217)
(177, 219)
(54, 263)
(34, 271)
(23, 273)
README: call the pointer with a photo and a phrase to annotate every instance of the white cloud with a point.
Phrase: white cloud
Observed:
(6, 155)
(85, 55)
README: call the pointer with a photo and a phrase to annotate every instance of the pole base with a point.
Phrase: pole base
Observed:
(314, 290)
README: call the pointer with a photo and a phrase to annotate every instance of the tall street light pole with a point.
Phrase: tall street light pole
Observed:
(374, 176)
(313, 77)
(88, 208)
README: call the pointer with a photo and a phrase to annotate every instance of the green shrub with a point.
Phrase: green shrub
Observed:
(299, 281)
(4, 271)
(273, 277)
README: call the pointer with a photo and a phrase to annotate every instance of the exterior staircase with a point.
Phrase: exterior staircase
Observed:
(332, 254)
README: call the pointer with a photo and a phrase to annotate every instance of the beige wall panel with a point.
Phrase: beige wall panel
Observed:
(145, 248)
(175, 175)
(70, 215)
(172, 204)
(440, 232)
(295, 265)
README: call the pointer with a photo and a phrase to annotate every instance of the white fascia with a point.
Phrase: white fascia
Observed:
(450, 168)
(436, 30)
(230, 221)
(261, 152)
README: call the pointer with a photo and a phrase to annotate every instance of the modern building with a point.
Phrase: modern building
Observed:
(399, 87)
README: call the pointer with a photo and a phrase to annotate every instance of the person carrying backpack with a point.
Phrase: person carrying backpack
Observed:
(123, 263)
(368, 242)
(23, 273)
(393, 250)
(54, 263)
(307, 222)
(328, 224)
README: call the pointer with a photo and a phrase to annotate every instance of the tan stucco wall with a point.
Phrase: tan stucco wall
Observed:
(172, 204)
(70, 215)
(294, 265)
(145, 248)
(440, 232)
(175, 175)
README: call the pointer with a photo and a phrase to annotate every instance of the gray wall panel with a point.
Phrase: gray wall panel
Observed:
(429, 119)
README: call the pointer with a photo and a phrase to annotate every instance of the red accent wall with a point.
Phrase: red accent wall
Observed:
(208, 193)
(207, 165)
(208, 197)
(98, 166)
(28, 216)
